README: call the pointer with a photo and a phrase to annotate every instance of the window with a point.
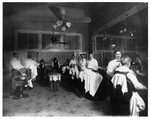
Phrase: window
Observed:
(47, 44)
(22, 41)
(131, 44)
(73, 42)
(102, 44)
(27, 41)
(105, 43)
(41, 40)
(33, 41)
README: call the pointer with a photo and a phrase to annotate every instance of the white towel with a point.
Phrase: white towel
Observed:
(136, 104)
(95, 82)
(54, 77)
(64, 69)
(92, 81)
(120, 79)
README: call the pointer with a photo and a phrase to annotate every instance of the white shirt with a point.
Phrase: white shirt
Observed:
(93, 64)
(112, 65)
(15, 62)
(83, 63)
(29, 62)
(131, 76)
(74, 62)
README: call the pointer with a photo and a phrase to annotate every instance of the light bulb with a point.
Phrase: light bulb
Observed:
(105, 38)
(132, 34)
(113, 45)
(63, 28)
(125, 30)
(121, 31)
(68, 24)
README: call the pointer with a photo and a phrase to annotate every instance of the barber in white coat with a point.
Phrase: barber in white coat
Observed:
(32, 64)
(92, 63)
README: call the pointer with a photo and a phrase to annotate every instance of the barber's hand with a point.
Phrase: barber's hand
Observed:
(144, 87)
(99, 67)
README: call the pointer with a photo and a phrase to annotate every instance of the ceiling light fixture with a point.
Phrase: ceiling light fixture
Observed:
(63, 24)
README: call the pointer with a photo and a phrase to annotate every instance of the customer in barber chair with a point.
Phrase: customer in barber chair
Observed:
(15, 62)
(124, 97)
(20, 75)
(92, 79)
(92, 63)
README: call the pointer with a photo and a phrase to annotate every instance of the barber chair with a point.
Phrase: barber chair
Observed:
(119, 101)
(19, 80)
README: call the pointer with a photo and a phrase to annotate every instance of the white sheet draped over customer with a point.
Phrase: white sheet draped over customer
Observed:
(92, 81)
(91, 78)
(29, 63)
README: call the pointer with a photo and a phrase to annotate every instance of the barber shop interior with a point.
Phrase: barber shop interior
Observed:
(76, 59)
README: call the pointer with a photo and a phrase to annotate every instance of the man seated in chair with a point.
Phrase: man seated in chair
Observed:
(92, 79)
(15, 62)
(123, 79)
(92, 63)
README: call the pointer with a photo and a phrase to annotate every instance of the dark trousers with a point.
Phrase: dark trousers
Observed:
(54, 85)
(41, 76)
(104, 88)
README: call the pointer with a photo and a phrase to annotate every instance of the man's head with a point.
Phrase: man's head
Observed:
(117, 54)
(15, 54)
(55, 59)
(91, 56)
(126, 61)
(73, 57)
(82, 56)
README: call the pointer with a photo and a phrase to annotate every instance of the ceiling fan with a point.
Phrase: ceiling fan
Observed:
(61, 14)
(54, 40)
(64, 20)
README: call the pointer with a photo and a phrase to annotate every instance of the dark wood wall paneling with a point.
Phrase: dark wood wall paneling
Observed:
(108, 13)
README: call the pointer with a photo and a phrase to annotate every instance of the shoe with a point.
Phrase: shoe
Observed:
(30, 88)
(72, 77)
(25, 88)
